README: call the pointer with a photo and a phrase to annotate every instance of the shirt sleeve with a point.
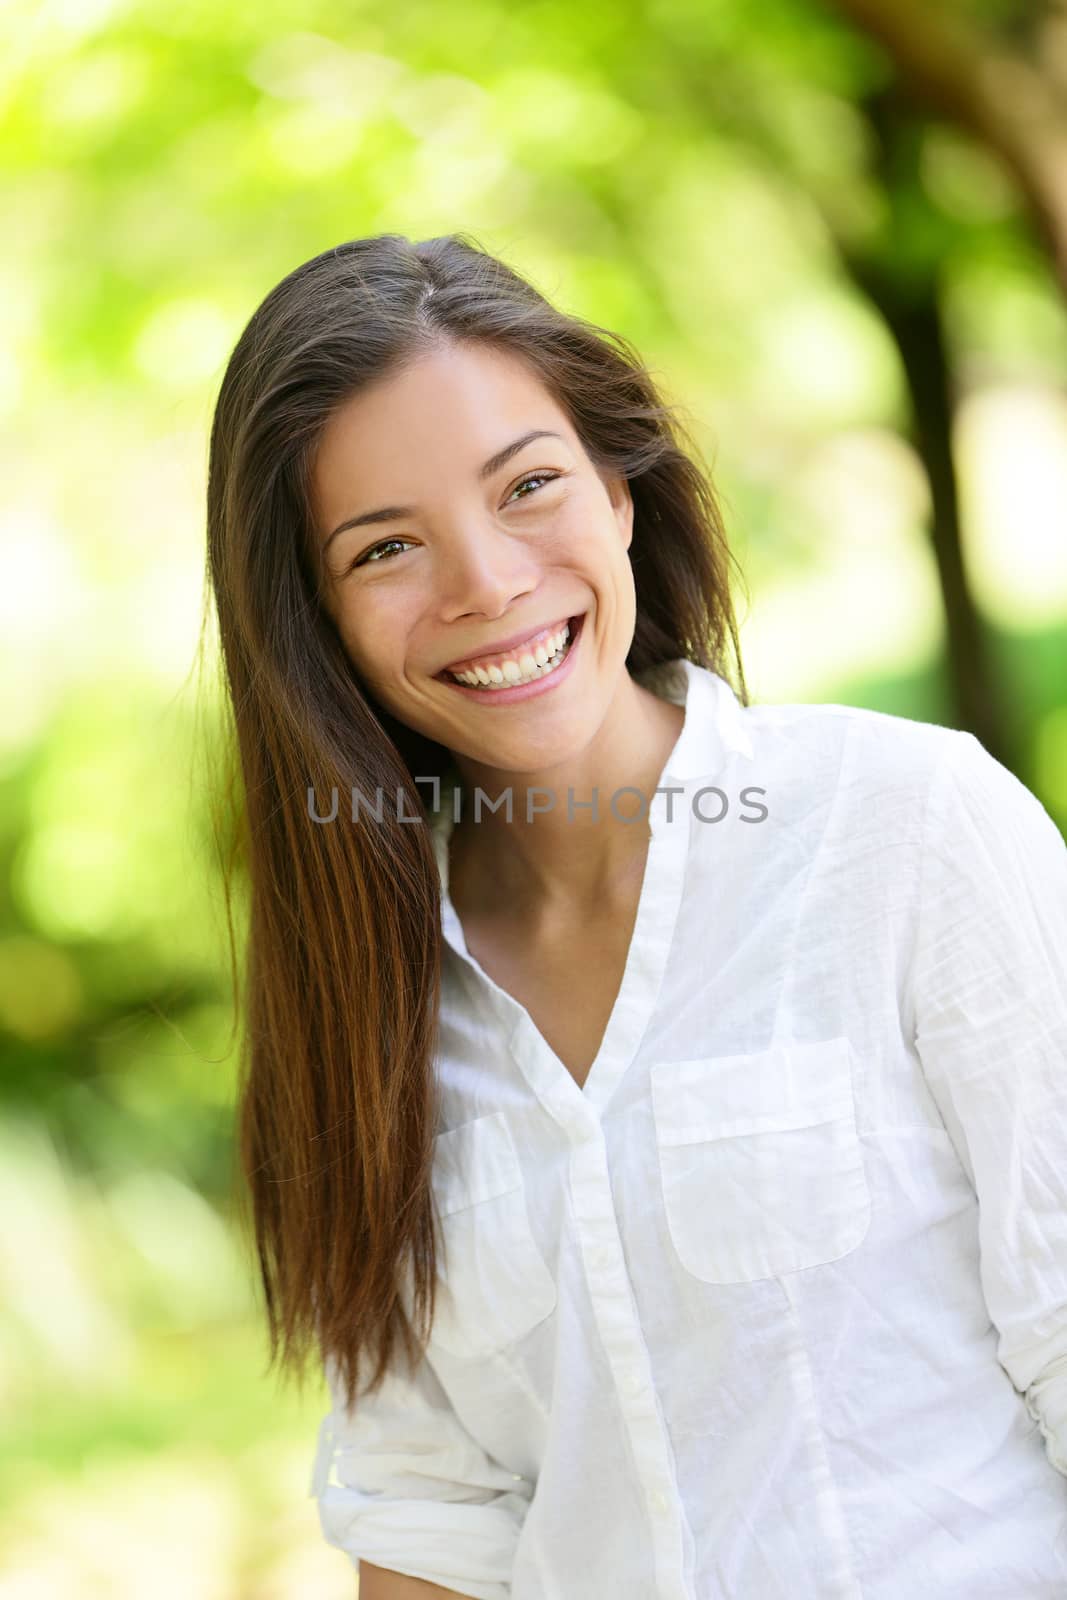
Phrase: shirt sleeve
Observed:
(990, 997)
(413, 1491)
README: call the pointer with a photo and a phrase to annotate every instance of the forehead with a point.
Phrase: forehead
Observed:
(450, 409)
(450, 391)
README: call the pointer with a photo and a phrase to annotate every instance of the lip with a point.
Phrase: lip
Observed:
(526, 691)
(501, 646)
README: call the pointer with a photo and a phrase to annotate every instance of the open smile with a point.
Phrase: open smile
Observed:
(515, 683)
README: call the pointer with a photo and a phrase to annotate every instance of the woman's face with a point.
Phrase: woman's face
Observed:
(473, 544)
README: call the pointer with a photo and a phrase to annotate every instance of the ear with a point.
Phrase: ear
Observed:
(623, 506)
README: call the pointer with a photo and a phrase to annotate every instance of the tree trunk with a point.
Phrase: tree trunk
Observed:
(908, 298)
(915, 323)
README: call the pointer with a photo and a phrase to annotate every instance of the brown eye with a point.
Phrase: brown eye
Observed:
(534, 477)
(374, 550)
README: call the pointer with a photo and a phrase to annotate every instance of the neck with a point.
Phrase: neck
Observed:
(555, 864)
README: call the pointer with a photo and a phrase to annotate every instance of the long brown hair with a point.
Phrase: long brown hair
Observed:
(337, 1107)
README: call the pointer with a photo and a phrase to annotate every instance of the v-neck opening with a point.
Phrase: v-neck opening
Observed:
(658, 907)
(646, 961)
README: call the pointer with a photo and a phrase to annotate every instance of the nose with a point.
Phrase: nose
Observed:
(484, 571)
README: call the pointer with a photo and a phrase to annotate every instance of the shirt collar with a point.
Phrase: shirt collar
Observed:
(714, 726)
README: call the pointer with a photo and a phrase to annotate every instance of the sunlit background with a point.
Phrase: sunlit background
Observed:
(848, 269)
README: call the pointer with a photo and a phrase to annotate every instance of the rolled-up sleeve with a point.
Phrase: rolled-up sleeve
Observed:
(400, 1482)
(990, 998)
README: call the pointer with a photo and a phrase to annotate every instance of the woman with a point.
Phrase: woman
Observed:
(725, 1043)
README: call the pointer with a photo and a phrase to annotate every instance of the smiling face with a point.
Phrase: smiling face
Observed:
(483, 544)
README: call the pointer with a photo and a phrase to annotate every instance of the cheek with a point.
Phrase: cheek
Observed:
(375, 636)
(602, 548)
(594, 513)
(582, 535)
(364, 639)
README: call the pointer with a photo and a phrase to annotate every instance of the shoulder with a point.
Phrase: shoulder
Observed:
(851, 754)
(899, 780)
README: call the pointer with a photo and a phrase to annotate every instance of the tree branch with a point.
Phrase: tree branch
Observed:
(965, 76)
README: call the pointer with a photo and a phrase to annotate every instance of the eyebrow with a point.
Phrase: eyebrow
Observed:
(391, 513)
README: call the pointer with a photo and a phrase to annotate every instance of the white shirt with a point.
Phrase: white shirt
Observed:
(775, 1306)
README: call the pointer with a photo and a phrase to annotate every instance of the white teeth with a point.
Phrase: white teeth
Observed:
(545, 658)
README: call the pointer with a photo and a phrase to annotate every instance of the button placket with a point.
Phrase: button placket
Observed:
(615, 1312)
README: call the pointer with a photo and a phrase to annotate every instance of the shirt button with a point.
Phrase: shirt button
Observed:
(602, 1257)
(632, 1381)
(660, 1501)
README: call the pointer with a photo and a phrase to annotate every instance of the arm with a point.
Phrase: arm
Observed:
(990, 994)
(377, 1584)
(407, 1492)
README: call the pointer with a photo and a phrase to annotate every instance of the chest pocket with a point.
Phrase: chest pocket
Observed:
(761, 1165)
(493, 1284)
